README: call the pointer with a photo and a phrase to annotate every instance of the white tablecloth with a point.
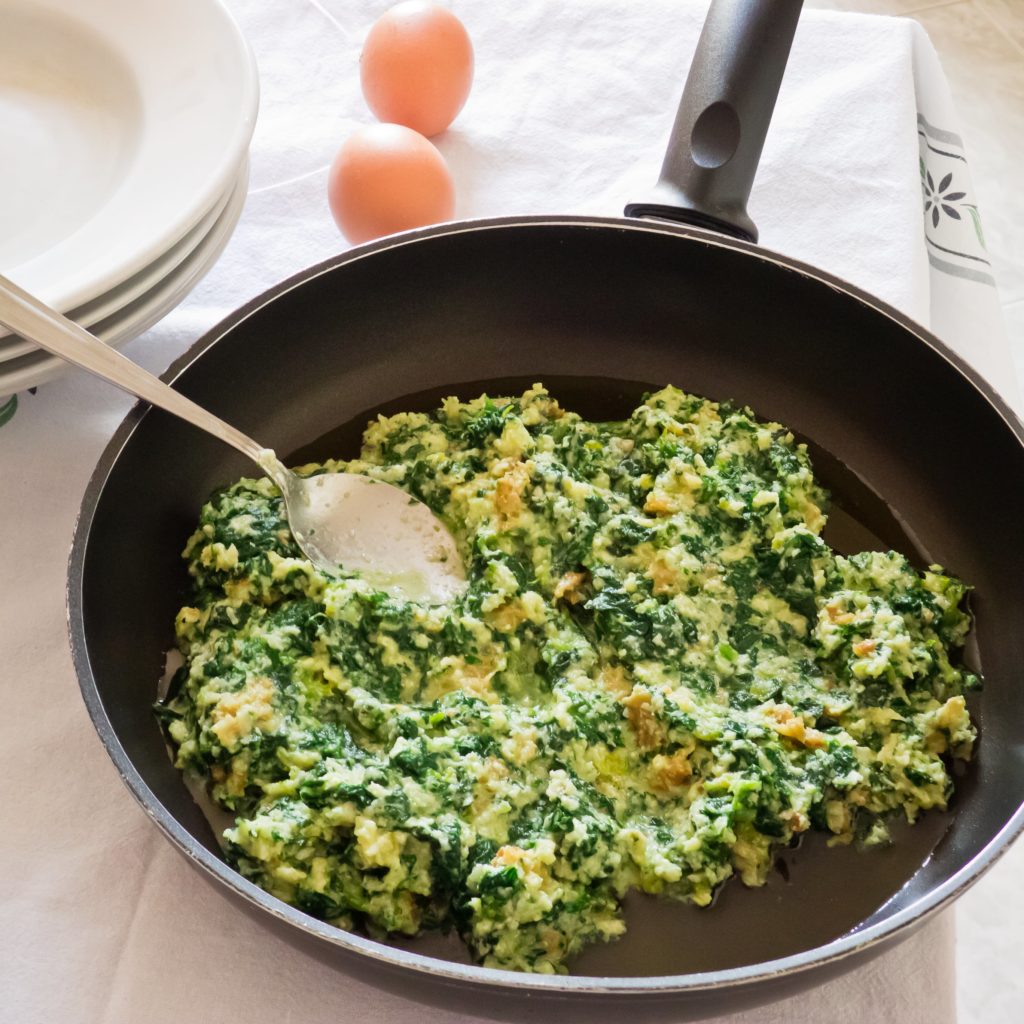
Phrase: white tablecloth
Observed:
(100, 920)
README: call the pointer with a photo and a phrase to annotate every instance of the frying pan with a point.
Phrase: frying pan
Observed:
(919, 452)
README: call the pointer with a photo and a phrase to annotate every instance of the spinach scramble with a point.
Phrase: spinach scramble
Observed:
(659, 674)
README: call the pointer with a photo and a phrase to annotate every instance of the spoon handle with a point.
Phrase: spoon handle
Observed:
(34, 320)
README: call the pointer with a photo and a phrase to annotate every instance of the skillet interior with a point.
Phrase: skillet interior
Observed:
(598, 311)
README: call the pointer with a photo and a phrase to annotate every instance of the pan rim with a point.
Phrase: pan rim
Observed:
(862, 942)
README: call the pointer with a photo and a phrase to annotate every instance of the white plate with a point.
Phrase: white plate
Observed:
(123, 123)
(138, 316)
(12, 346)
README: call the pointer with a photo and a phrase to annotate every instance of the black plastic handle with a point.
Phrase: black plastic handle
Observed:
(723, 117)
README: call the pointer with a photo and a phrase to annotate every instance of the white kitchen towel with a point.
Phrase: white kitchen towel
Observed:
(101, 922)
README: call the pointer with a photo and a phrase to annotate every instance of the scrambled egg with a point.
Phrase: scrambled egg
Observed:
(659, 674)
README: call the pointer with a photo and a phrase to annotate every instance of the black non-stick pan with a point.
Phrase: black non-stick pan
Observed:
(920, 454)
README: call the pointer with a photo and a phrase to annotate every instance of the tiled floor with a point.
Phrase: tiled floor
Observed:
(981, 45)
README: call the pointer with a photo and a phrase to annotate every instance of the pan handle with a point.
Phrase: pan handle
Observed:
(723, 117)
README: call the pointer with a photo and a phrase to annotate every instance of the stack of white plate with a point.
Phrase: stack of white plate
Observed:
(125, 130)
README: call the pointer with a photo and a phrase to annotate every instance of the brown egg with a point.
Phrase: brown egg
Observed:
(417, 66)
(388, 178)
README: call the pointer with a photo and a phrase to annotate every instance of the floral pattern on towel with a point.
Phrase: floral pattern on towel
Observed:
(952, 224)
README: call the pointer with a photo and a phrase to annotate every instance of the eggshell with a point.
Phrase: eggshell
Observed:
(416, 67)
(387, 178)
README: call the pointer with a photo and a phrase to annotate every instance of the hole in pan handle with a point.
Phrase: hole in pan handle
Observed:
(723, 117)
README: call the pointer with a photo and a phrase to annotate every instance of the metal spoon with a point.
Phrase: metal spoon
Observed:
(337, 519)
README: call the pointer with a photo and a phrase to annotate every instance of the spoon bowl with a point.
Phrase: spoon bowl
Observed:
(373, 528)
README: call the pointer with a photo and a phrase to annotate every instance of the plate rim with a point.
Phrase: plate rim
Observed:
(115, 299)
(88, 287)
(119, 328)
